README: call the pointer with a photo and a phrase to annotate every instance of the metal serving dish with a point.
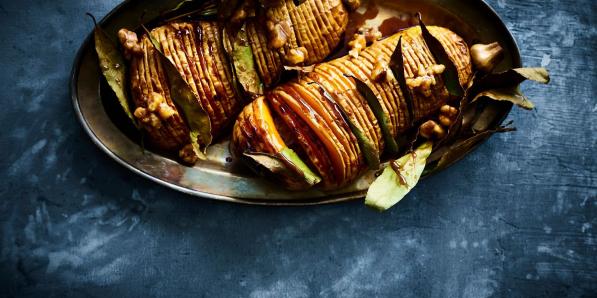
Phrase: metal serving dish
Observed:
(221, 178)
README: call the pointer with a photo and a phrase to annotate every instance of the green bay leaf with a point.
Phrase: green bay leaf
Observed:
(370, 153)
(397, 180)
(285, 166)
(382, 118)
(241, 55)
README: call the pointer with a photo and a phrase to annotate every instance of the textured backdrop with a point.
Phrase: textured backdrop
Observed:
(515, 218)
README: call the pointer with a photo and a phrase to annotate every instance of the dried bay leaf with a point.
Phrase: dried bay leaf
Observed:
(513, 95)
(513, 77)
(113, 67)
(450, 74)
(397, 66)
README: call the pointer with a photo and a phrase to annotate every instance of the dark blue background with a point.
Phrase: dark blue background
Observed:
(515, 218)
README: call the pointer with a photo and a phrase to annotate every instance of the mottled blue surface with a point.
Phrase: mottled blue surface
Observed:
(515, 218)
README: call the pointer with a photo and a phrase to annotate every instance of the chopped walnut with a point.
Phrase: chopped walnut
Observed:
(141, 114)
(431, 130)
(165, 111)
(380, 70)
(154, 121)
(372, 35)
(447, 115)
(356, 45)
(155, 99)
(438, 68)
(278, 36)
(421, 71)
(296, 56)
(130, 42)
(425, 79)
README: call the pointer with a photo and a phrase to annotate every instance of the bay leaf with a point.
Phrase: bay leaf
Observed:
(450, 74)
(283, 166)
(113, 67)
(380, 115)
(371, 155)
(240, 53)
(397, 66)
(187, 102)
(397, 180)
(511, 94)
(513, 78)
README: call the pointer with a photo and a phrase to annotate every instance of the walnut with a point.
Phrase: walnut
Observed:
(372, 35)
(277, 36)
(421, 71)
(425, 79)
(431, 130)
(165, 111)
(296, 56)
(356, 45)
(448, 115)
(140, 113)
(155, 99)
(154, 121)
(437, 69)
(130, 43)
(380, 70)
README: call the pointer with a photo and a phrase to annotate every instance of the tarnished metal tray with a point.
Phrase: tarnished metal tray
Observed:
(222, 178)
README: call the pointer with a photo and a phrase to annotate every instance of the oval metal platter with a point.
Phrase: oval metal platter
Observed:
(222, 178)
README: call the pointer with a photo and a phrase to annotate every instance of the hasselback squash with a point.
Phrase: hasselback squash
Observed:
(279, 33)
(318, 114)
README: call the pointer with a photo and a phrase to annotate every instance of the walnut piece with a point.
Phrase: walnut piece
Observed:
(447, 115)
(372, 35)
(380, 70)
(431, 130)
(296, 56)
(130, 43)
(356, 45)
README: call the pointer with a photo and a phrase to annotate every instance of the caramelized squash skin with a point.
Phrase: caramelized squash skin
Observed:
(320, 135)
